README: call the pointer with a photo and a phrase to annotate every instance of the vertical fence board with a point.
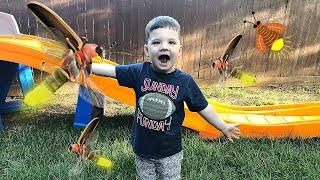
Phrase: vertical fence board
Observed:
(88, 13)
(248, 38)
(141, 22)
(199, 42)
(297, 27)
(276, 15)
(99, 13)
(134, 30)
(197, 30)
(5, 6)
(282, 69)
(288, 65)
(186, 37)
(206, 55)
(112, 28)
(316, 47)
(118, 31)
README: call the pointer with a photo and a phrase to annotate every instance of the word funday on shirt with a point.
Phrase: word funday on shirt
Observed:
(157, 125)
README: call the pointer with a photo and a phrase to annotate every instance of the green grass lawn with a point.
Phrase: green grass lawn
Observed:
(35, 143)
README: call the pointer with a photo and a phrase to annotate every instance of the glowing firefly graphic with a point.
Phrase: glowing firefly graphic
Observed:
(84, 151)
(270, 37)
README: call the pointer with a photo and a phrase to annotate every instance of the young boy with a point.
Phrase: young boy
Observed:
(158, 147)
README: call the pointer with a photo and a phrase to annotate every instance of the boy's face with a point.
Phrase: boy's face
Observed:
(163, 48)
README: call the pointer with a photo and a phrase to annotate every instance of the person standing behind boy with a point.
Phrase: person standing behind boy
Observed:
(156, 141)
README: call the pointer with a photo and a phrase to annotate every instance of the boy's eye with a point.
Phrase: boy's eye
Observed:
(155, 42)
(172, 42)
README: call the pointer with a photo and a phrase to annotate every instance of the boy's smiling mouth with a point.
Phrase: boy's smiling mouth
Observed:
(164, 58)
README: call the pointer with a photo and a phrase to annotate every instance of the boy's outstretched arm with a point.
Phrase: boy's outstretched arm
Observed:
(104, 70)
(86, 62)
(229, 130)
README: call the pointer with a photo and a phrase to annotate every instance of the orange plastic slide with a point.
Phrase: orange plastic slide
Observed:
(289, 120)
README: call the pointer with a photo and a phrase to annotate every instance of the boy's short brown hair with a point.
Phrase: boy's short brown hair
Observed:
(162, 22)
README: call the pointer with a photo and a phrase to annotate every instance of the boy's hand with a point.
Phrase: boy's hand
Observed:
(231, 131)
(85, 55)
(81, 59)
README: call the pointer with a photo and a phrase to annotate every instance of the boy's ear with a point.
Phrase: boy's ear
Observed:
(180, 50)
(146, 50)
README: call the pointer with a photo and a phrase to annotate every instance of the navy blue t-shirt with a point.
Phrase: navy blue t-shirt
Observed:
(159, 138)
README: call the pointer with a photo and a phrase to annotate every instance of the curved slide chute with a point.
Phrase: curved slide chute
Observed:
(300, 120)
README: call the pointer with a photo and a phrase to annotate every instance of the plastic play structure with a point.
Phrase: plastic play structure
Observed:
(10, 34)
(9, 70)
(278, 121)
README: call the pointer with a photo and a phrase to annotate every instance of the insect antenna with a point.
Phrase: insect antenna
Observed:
(70, 44)
(248, 22)
(254, 16)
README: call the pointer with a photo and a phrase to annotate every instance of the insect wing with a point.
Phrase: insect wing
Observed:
(92, 140)
(276, 27)
(59, 50)
(89, 91)
(222, 77)
(260, 44)
(77, 168)
(53, 45)
(53, 26)
(230, 48)
(53, 49)
(48, 18)
(88, 130)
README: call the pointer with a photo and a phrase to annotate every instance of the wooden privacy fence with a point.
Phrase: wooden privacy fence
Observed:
(206, 28)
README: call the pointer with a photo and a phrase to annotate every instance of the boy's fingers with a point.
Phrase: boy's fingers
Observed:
(236, 136)
(236, 125)
(230, 139)
(237, 131)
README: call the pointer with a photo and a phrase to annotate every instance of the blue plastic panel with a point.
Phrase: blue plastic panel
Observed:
(84, 111)
(26, 79)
